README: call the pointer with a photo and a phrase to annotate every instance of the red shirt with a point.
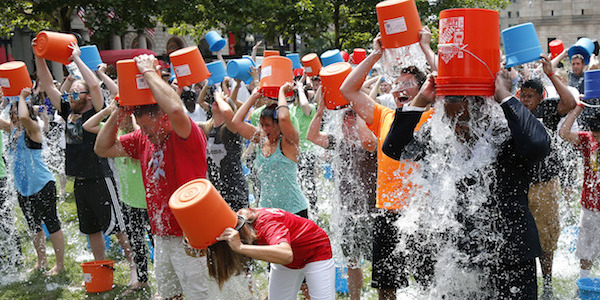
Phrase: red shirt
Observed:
(590, 196)
(165, 168)
(308, 241)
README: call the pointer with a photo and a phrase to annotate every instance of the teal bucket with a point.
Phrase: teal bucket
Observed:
(331, 57)
(217, 72)
(240, 69)
(583, 46)
(295, 58)
(215, 41)
(341, 280)
(91, 57)
(592, 84)
(589, 288)
(521, 45)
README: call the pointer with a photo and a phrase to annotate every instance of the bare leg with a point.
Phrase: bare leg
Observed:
(124, 242)
(586, 264)
(355, 282)
(97, 245)
(386, 294)
(58, 243)
(39, 243)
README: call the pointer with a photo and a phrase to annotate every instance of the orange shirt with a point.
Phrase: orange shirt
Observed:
(393, 189)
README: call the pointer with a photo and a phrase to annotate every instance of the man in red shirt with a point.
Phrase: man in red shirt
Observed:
(171, 152)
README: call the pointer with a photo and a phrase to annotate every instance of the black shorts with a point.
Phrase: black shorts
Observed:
(41, 208)
(518, 282)
(389, 265)
(98, 206)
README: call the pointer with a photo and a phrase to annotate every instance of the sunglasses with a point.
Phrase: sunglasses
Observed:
(74, 95)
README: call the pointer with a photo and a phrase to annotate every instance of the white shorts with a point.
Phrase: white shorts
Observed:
(588, 243)
(176, 272)
(284, 283)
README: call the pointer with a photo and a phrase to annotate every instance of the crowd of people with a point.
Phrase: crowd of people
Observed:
(388, 134)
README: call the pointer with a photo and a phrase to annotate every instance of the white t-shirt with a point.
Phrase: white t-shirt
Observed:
(199, 115)
(387, 100)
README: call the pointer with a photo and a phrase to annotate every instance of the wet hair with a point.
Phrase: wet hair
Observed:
(150, 109)
(270, 112)
(577, 56)
(188, 95)
(222, 262)
(594, 123)
(82, 82)
(413, 70)
(535, 84)
(15, 106)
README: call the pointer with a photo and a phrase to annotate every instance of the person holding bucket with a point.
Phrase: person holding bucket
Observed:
(277, 153)
(296, 247)
(33, 181)
(394, 190)
(172, 151)
(98, 206)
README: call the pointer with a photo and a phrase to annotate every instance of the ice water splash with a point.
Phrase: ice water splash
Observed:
(394, 59)
(452, 206)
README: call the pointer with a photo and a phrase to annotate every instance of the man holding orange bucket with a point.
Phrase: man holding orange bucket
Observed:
(172, 151)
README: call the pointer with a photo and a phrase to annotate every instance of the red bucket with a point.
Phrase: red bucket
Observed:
(358, 55)
(399, 23)
(469, 52)
(556, 47)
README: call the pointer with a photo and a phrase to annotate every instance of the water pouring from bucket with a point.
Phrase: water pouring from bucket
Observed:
(275, 72)
(332, 77)
(133, 89)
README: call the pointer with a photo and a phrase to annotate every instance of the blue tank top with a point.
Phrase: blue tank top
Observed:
(278, 177)
(29, 170)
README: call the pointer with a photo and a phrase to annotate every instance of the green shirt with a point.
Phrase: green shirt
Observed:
(302, 123)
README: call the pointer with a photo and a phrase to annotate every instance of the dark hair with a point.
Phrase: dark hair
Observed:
(419, 75)
(188, 95)
(270, 112)
(150, 109)
(535, 84)
(222, 262)
(595, 123)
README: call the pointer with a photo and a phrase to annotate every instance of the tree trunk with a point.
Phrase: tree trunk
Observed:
(336, 24)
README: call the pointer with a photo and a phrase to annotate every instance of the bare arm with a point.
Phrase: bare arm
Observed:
(254, 50)
(45, 78)
(67, 83)
(167, 99)
(246, 130)
(361, 103)
(107, 143)
(314, 133)
(280, 254)
(110, 84)
(425, 43)
(226, 110)
(306, 108)
(556, 60)
(234, 93)
(201, 98)
(367, 138)
(567, 100)
(93, 123)
(375, 89)
(31, 126)
(565, 130)
(89, 77)
(290, 133)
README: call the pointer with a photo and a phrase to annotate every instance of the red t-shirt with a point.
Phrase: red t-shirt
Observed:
(308, 241)
(165, 168)
(590, 196)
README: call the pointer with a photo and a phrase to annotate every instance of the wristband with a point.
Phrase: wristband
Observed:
(551, 74)
(280, 106)
(147, 70)
(580, 105)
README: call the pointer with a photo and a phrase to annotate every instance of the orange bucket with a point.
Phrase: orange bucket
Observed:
(556, 47)
(268, 53)
(332, 78)
(399, 23)
(312, 64)
(133, 89)
(275, 71)
(469, 52)
(54, 46)
(14, 77)
(189, 66)
(98, 275)
(201, 212)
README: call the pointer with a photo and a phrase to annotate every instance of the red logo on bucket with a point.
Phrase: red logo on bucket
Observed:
(452, 35)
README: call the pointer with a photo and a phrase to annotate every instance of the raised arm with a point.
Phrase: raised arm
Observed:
(314, 133)
(289, 132)
(89, 77)
(110, 84)
(362, 104)
(425, 43)
(226, 110)
(304, 104)
(234, 93)
(556, 60)
(31, 126)
(202, 97)
(67, 83)
(567, 100)
(107, 143)
(254, 50)
(93, 123)
(367, 138)
(45, 78)
(565, 130)
(246, 130)
(165, 96)
(375, 89)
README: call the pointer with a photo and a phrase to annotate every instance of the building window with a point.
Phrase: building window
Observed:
(552, 13)
(517, 14)
(509, 14)
(582, 12)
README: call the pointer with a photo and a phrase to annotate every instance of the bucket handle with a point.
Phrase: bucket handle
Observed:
(108, 266)
(590, 105)
(463, 48)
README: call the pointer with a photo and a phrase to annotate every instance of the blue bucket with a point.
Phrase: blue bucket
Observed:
(592, 84)
(215, 41)
(341, 280)
(295, 58)
(91, 57)
(217, 72)
(330, 57)
(589, 288)
(585, 47)
(172, 77)
(521, 44)
(240, 69)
